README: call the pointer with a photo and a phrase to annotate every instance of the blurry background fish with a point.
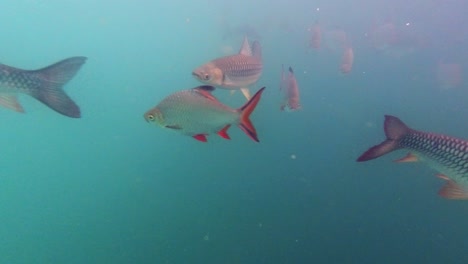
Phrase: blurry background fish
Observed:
(449, 75)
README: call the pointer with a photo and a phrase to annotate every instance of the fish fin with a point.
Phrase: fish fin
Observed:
(245, 124)
(223, 132)
(52, 79)
(245, 49)
(10, 101)
(200, 137)
(206, 90)
(451, 190)
(394, 129)
(256, 50)
(226, 81)
(443, 177)
(177, 127)
(291, 70)
(246, 92)
(408, 158)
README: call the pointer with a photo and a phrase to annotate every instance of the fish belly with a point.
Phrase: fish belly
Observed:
(447, 155)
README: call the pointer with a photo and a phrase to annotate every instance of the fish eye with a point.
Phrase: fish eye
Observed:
(207, 77)
(151, 117)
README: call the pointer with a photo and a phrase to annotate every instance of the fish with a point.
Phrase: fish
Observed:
(46, 85)
(445, 154)
(233, 72)
(347, 60)
(290, 91)
(316, 36)
(197, 113)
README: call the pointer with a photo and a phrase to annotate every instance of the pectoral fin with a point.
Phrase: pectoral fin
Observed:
(246, 93)
(408, 158)
(173, 127)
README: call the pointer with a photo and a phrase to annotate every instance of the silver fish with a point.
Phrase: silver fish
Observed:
(197, 113)
(447, 155)
(235, 71)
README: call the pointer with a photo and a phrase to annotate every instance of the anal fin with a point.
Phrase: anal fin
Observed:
(223, 132)
(10, 101)
(200, 137)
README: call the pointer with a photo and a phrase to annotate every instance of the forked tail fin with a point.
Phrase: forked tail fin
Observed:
(52, 79)
(395, 130)
(245, 124)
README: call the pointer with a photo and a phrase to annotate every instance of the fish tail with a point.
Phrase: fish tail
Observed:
(395, 130)
(245, 124)
(52, 79)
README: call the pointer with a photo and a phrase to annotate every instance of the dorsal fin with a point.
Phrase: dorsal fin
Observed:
(245, 49)
(256, 50)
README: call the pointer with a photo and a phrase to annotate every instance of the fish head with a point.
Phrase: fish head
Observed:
(154, 116)
(209, 73)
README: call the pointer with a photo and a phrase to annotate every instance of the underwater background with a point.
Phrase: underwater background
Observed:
(111, 188)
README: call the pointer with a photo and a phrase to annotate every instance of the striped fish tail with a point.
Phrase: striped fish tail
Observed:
(395, 130)
(52, 79)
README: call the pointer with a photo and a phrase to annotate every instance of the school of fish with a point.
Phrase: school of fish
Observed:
(197, 113)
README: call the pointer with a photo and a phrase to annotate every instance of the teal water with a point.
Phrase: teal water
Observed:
(111, 188)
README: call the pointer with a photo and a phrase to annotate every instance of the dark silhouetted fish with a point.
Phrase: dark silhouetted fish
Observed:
(44, 84)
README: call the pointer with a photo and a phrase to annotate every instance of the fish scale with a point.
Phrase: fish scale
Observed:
(45, 85)
(447, 155)
(449, 152)
(16, 80)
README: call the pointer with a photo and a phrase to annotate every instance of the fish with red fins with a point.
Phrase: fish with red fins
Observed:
(447, 155)
(290, 91)
(197, 113)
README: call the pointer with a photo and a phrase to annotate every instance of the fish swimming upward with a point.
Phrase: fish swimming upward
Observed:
(197, 113)
(347, 60)
(290, 91)
(447, 155)
(235, 71)
(44, 84)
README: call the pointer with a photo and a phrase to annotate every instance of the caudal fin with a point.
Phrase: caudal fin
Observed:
(245, 124)
(395, 130)
(52, 79)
